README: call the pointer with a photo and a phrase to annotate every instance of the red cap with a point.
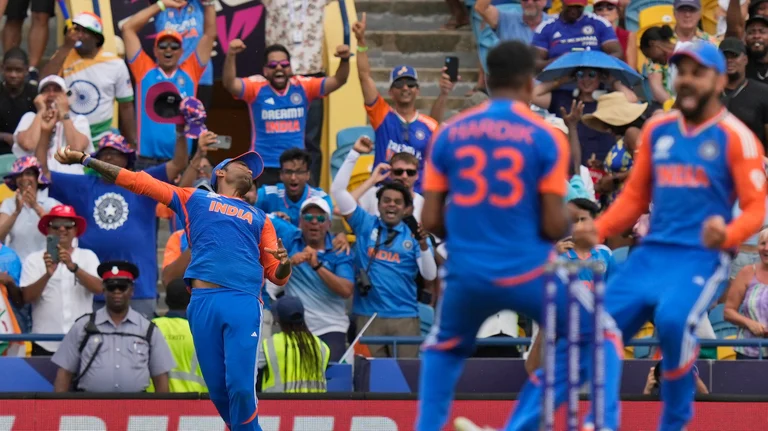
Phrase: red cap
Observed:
(175, 35)
(118, 274)
(61, 211)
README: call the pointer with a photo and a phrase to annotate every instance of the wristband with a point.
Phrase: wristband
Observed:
(318, 266)
(74, 270)
(362, 48)
(345, 60)
(161, 5)
(85, 160)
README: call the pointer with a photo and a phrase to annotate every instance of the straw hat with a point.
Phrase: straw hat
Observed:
(613, 109)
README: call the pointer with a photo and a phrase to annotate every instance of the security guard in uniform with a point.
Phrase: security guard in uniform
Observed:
(186, 376)
(115, 349)
(294, 360)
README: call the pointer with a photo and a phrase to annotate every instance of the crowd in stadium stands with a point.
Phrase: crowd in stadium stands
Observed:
(79, 255)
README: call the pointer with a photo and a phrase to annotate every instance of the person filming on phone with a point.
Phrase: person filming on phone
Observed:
(59, 280)
(389, 255)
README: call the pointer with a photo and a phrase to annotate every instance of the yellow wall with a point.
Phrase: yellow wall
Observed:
(345, 107)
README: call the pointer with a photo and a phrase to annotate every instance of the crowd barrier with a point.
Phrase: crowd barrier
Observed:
(354, 412)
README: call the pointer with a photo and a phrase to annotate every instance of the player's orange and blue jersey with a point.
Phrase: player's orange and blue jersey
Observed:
(279, 118)
(495, 161)
(159, 140)
(227, 235)
(690, 174)
(394, 134)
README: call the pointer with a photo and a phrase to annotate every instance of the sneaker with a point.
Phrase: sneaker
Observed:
(33, 76)
(464, 424)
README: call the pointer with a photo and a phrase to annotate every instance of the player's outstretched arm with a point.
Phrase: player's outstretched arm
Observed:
(274, 257)
(137, 182)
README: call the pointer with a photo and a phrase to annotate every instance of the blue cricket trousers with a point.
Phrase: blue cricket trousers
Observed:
(226, 327)
(673, 286)
(464, 306)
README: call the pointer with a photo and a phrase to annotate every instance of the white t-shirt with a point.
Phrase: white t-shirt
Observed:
(96, 83)
(63, 299)
(370, 204)
(24, 238)
(58, 140)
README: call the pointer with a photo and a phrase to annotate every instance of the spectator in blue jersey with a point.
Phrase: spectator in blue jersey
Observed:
(285, 198)
(577, 246)
(156, 141)
(10, 273)
(278, 101)
(189, 21)
(574, 29)
(388, 257)
(400, 128)
(121, 224)
(322, 278)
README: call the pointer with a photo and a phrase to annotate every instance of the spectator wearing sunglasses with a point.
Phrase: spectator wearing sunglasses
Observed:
(609, 11)
(322, 278)
(59, 280)
(156, 141)
(402, 168)
(286, 198)
(278, 101)
(399, 128)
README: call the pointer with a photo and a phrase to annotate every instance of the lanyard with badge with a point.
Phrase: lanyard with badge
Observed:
(297, 33)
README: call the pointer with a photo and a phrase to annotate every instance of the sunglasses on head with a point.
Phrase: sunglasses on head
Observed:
(401, 83)
(582, 74)
(121, 287)
(173, 46)
(399, 172)
(61, 224)
(310, 217)
(284, 64)
(604, 6)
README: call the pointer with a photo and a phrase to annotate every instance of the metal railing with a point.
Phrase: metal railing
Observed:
(495, 341)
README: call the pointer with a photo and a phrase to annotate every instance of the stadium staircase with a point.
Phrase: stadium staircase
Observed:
(408, 32)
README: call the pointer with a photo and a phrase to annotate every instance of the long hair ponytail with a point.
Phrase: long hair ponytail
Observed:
(308, 358)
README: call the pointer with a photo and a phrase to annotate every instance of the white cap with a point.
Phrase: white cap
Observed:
(318, 202)
(52, 79)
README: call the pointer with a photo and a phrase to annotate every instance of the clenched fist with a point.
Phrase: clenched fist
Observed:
(236, 46)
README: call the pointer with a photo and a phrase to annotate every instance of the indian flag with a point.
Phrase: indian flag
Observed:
(9, 325)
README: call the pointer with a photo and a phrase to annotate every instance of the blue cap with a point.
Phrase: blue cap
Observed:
(704, 53)
(289, 309)
(252, 159)
(402, 71)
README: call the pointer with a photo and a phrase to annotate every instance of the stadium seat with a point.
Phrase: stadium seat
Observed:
(345, 139)
(639, 9)
(660, 13)
(726, 352)
(6, 163)
(722, 328)
(426, 317)
(640, 351)
(708, 16)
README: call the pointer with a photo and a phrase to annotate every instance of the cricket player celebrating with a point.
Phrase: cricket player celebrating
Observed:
(690, 165)
(234, 247)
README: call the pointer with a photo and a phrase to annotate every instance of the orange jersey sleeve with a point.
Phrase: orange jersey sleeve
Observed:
(314, 87)
(143, 184)
(269, 240)
(745, 161)
(172, 248)
(193, 67)
(434, 180)
(633, 201)
(164, 212)
(377, 112)
(556, 180)
(141, 64)
(251, 87)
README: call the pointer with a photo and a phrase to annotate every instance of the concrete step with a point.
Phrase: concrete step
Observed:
(430, 88)
(392, 22)
(388, 59)
(426, 74)
(422, 41)
(402, 7)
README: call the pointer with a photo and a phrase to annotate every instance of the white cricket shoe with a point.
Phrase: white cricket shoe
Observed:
(464, 424)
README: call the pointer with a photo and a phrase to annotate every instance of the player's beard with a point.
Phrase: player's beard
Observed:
(694, 114)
